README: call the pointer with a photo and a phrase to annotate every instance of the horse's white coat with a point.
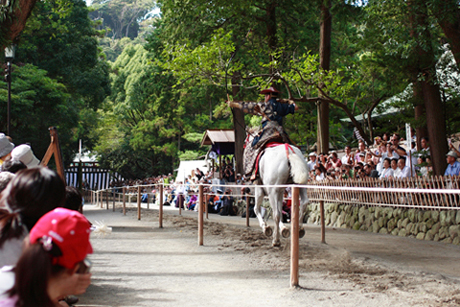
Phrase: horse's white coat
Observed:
(276, 169)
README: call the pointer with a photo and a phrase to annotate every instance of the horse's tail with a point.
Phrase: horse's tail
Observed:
(299, 169)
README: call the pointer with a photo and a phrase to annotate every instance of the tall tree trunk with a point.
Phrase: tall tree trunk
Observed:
(325, 60)
(435, 118)
(447, 13)
(420, 113)
(271, 30)
(240, 128)
(14, 24)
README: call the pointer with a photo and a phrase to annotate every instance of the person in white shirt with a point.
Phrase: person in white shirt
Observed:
(387, 171)
(348, 157)
(312, 163)
(394, 167)
(404, 169)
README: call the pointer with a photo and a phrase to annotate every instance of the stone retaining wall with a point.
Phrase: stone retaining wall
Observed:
(427, 225)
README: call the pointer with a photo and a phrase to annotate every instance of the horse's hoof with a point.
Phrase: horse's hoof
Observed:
(268, 231)
(285, 233)
(276, 244)
(301, 233)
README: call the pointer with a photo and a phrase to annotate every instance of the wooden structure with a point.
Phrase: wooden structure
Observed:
(222, 142)
(54, 149)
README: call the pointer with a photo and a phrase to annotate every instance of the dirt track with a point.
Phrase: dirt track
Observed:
(139, 264)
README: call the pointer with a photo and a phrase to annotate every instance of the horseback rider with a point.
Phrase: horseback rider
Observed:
(272, 111)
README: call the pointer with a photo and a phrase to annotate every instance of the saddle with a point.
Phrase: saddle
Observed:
(272, 133)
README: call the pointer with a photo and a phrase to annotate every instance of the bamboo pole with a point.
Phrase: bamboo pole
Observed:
(200, 215)
(139, 203)
(160, 214)
(124, 200)
(295, 237)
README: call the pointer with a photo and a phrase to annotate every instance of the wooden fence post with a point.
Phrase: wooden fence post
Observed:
(295, 237)
(113, 198)
(247, 210)
(160, 225)
(107, 199)
(200, 215)
(139, 203)
(323, 226)
(124, 200)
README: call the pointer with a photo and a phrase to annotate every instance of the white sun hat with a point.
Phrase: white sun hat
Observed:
(24, 154)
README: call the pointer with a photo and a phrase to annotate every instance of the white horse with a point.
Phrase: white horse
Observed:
(278, 167)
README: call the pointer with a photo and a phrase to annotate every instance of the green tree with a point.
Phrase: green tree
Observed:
(34, 97)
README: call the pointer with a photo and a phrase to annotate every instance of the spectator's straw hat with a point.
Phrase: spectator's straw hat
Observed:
(312, 154)
(24, 154)
(452, 154)
(5, 145)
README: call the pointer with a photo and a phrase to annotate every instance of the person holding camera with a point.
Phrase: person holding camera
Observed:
(333, 161)
(227, 204)
(53, 263)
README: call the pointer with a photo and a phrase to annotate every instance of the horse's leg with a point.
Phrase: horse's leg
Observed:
(259, 195)
(303, 209)
(276, 197)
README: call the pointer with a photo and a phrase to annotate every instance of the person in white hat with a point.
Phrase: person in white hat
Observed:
(453, 167)
(25, 154)
(312, 163)
(5, 148)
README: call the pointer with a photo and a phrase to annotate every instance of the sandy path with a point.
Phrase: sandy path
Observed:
(141, 265)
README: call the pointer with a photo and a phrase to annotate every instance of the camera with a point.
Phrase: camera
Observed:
(84, 266)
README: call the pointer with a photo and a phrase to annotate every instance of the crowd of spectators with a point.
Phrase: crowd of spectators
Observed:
(385, 159)
(44, 240)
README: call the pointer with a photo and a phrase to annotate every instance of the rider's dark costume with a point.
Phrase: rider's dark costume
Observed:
(272, 113)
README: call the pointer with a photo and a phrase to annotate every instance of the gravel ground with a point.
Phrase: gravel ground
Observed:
(139, 264)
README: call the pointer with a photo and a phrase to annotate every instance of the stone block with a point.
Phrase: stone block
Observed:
(435, 216)
(457, 217)
(436, 238)
(422, 227)
(327, 219)
(395, 231)
(375, 227)
(412, 215)
(391, 224)
(415, 229)
(356, 226)
(402, 233)
(372, 209)
(452, 216)
(383, 230)
(377, 212)
(436, 227)
(456, 241)
(420, 236)
(454, 231)
(363, 228)
(381, 221)
(404, 223)
(429, 236)
(426, 216)
(443, 232)
(409, 228)
(447, 240)
(334, 217)
(444, 218)
(429, 223)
